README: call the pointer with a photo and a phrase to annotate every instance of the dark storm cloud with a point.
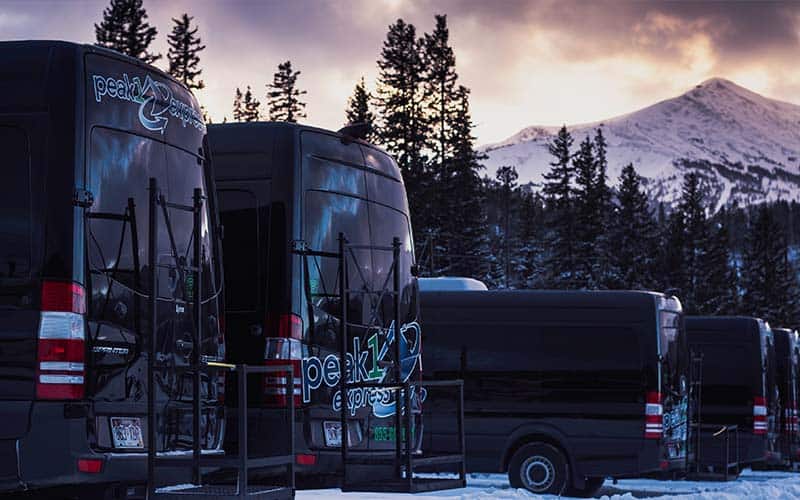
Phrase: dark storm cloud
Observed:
(509, 51)
(735, 28)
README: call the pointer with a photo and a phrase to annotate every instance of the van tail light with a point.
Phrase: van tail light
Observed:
(60, 363)
(287, 326)
(759, 415)
(282, 351)
(60, 296)
(653, 416)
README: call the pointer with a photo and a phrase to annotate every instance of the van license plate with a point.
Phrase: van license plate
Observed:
(333, 433)
(127, 432)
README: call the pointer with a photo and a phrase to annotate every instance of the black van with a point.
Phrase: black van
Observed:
(82, 129)
(286, 190)
(562, 388)
(738, 387)
(786, 365)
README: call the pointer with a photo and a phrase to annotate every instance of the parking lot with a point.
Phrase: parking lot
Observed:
(751, 485)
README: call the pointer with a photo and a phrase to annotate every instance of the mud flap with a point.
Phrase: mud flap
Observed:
(9, 468)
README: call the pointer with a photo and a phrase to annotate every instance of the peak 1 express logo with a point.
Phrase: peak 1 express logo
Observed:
(155, 100)
(364, 365)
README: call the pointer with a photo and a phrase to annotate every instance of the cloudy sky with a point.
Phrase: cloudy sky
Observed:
(534, 62)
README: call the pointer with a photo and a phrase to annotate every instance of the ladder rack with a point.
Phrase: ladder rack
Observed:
(386, 470)
(198, 462)
(703, 436)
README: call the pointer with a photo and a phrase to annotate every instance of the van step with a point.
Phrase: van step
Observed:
(417, 485)
(368, 458)
(223, 492)
(225, 461)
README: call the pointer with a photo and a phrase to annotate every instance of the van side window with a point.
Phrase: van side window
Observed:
(590, 348)
(239, 216)
(15, 204)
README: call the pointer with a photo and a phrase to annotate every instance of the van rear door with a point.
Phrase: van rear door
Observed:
(18, 318)
(120, 166)
(673, 352)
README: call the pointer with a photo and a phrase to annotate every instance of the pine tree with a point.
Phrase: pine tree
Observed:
(634, 233)
(284, 96)
(560, 239)
(527, 259)
(495, 275)
(358, 108)
(441, 101)
(184, 47)
(672, 271)
(124, 28)
(238, 106)
(716, 289)
(250, 105)
(588, 217)
(463, 223)
(605, 247)
(440, 89)
(507, 177)
(693, 208)
(403, 127)
(769, 280)
(601, 184)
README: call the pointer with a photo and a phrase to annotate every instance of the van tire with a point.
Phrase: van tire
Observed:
(590, 488)
(539, 468)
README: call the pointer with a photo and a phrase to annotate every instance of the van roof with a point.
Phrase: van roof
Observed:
(731, 325)
(33, 46)
(545, 298)
(249, 136)
(450, 283)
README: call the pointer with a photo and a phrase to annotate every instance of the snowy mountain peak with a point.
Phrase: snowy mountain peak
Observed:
(744, 145)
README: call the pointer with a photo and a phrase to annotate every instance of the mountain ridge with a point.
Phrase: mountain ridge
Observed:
(746, 147)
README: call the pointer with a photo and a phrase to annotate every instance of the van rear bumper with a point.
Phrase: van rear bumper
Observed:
(654, 460)
(48, 454)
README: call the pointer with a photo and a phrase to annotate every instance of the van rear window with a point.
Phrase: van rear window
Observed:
(731, 373)
(15, 204)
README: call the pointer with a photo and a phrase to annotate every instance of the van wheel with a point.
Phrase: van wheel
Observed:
(590, 488)
(539, 468)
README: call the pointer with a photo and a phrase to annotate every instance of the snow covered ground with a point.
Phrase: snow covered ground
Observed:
(751, 485)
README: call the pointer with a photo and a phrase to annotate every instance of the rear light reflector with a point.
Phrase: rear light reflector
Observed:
(90, 465)
(306, 459)
(759, 415)
(60, 363)
(653, 416)
(282, 351)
